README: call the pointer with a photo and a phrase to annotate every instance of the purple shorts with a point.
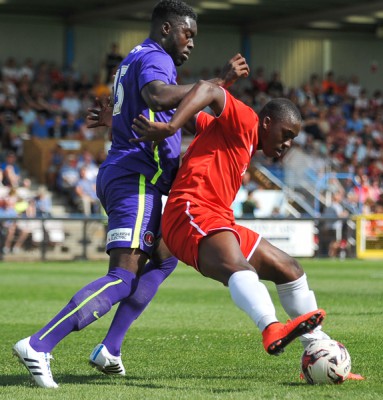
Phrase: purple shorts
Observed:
(133, 206)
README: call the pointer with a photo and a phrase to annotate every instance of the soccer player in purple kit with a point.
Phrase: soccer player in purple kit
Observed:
(130, 185)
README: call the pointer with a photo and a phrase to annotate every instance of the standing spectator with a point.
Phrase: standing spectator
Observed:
(112, 61)
(249, 206)
(329, 86)
(275, 86)
(354, 87)
(259, 81)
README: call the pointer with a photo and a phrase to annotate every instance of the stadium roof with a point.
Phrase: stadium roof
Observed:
(345, 16)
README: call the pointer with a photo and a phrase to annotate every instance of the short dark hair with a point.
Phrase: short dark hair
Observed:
(166, 9)
(282, 109)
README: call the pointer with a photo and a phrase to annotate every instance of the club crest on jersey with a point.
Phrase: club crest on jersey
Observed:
(149, 238)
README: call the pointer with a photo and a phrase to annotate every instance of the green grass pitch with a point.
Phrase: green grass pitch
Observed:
(191, 342)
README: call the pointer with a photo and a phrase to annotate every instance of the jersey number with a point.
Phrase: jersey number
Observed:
(119, 90)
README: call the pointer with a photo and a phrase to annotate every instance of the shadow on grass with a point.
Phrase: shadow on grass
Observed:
(23, 380)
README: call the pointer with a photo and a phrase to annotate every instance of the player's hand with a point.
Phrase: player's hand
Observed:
(101, 116)
(234, 69)
(150, 131)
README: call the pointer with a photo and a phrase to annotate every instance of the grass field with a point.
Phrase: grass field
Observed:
(191, 342)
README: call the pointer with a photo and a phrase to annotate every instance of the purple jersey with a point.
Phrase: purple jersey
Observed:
(147, 62)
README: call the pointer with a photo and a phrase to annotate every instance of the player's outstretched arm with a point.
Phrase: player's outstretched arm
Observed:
(234, 69)
(202, 95)
(160, 96)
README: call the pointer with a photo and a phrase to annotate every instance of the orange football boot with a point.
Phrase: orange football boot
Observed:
(277, 336)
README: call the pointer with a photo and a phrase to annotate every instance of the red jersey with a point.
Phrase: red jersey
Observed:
(213, 166)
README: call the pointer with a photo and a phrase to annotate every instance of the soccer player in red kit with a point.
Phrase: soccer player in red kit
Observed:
(198, 224)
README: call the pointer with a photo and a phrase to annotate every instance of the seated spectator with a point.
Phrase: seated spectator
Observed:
(11, 171)
(28, 115)
(39, 128)
(72, 127)
(56, 161)
(10, 70)
(18, 132)
(43, 203)
(7, 210)
(68, 175)
(27, 70)
(24, 191)
(86, 197)
(71, 103)
(58, 129)
(86, 161)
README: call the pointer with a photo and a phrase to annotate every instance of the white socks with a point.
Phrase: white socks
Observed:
(297, 299)
(252, 296)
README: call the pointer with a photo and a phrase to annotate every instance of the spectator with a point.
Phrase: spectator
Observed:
(56, 161)
(72, 127)
(58, 130)
(43, 203)
(68, 175)
(28, 114)
(11, 171)
(86, 161)
(71, 103)
(18, 132)
(9, 70)
(112, 61)
(39, 128)
(249, 206)
(275, 86)
(333, 232)
(353, 87)
(85, 194)
(27, 70)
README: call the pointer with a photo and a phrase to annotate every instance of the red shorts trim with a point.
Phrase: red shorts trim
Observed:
(185, 223)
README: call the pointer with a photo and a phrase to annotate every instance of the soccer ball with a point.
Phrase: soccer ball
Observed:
(325, 361)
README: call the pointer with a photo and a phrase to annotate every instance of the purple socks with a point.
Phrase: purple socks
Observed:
(87, 305)
(132, 307)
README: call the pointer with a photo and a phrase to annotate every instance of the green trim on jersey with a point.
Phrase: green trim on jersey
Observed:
(87, 300)
(156, 155)
(140, 212)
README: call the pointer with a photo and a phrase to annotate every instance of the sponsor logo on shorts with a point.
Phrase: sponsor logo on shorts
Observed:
(118, 235)
(149, 238)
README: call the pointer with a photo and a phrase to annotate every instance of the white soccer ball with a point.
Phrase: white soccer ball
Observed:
(325, 361)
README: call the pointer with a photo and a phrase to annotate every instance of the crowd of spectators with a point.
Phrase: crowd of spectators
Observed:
(342, 123)
(41, 100)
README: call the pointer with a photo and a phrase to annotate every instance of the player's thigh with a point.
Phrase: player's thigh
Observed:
(134, 209)
(161, 251)
(273, 264)
(220, 256)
